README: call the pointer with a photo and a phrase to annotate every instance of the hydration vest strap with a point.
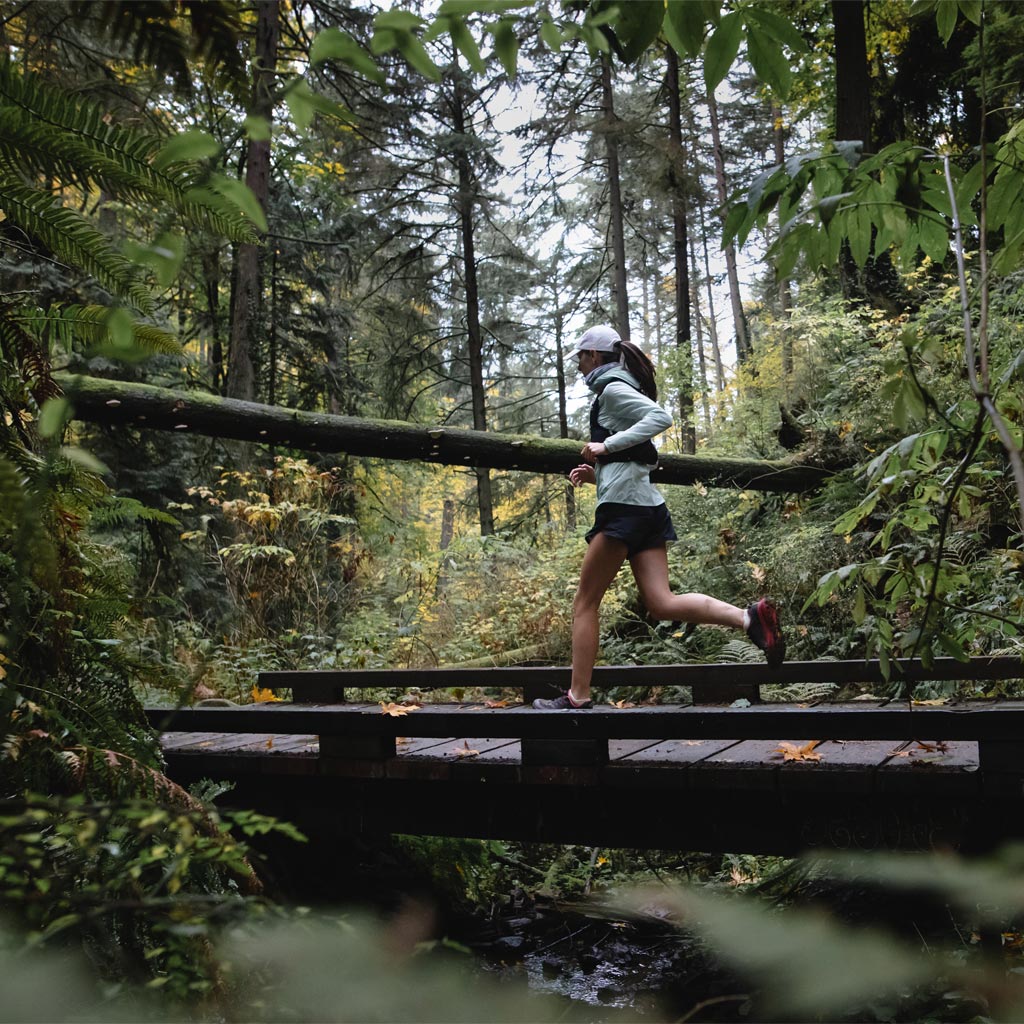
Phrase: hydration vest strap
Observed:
(643, 452)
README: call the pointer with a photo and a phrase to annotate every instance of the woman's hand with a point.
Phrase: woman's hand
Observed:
(582, 475)
(592, 451)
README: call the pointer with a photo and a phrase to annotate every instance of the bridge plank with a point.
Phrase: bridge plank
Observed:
(974, 721)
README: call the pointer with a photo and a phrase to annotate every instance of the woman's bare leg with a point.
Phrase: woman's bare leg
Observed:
(602, 561)
(650, 568)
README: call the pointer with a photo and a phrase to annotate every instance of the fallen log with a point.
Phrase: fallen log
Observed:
(119, 403)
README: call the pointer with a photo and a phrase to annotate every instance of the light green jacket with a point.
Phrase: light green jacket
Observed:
(634, 418)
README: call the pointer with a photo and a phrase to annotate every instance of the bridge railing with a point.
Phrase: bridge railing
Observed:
(348, 729)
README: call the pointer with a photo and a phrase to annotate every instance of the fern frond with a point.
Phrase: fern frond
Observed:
(89, 326)
(24, 354)
(740, 652)
(798, 692)
(216, 30)
(74, 240)
(48, 133)
(120, 511)
(145, 28)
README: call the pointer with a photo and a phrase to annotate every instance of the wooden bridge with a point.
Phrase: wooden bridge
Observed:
(727, 772)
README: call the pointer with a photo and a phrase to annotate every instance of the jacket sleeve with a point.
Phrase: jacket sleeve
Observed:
(622, 404)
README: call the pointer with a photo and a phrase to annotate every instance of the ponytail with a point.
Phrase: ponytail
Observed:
(640, 366)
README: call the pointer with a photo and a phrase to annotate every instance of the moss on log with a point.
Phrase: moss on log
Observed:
(117, 403)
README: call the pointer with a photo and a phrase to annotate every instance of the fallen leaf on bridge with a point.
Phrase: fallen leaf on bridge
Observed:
(465, 750)
(623, 704)
(263, 695)
(940, 746)
(397, 710)
(937, 702)
(496, 704)
(270, 743)
(401, 741)
(793, 752)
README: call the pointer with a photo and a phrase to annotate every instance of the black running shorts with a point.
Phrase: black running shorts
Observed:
(639, 527)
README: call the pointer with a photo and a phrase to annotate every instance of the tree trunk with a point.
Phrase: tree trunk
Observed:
(716, 351)
(853, 81)
(620, 294)
(563, 415)
(701, 362)
(464, 202)
(677, 178)
(241, 379)
(739, 318)
(782, 286)
(137, 406)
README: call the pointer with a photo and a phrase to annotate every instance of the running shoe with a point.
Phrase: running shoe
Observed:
(563, 703)
(764, 632)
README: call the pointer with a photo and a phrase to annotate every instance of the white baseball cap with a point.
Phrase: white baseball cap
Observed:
(597, 339)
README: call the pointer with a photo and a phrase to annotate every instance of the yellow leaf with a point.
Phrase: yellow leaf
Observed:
(465, 751)
(793, 752)
(270, 743)
(396, 710)
(263, 695)
(937, 702)
(496, 703)
(623, 704)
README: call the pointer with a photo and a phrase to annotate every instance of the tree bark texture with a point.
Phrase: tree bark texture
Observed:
(677, 179)
(245, 329)
(739, 318)
(620, 294)
(783, 289)
(464, 202)
(119, 403)
(853, 83)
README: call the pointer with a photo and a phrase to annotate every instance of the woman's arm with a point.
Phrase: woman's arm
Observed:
(623, 404)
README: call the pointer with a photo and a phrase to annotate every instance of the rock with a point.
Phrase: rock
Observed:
(552, 968)
(609, 993)
(509, 943)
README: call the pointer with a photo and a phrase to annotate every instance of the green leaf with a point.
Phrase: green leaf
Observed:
(859, 607)
(400, 21)
(461, 8)
(257, 129)
(413, 51)
(721, 50)
(121, 329)
(506, 45)
(859, 235)
(769, 62)
(552, 36)
(638, 25)
(53, 415)
(241, 196)
(299, 97)
(188, 145)
(945, 18)
(683, 26)
(781, 30)
(334, 44)
(466, 44)
(971, 10)
(934, 239)
(85, 459)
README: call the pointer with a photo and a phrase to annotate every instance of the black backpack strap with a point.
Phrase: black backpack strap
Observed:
(643, 452)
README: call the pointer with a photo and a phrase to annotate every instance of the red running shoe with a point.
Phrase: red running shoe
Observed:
(764, 632)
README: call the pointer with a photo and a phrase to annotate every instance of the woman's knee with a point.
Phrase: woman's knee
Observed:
(660, 606)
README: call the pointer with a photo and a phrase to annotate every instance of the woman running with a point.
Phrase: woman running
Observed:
(631, 520)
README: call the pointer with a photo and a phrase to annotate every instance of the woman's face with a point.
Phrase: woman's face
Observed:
(588, 361)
